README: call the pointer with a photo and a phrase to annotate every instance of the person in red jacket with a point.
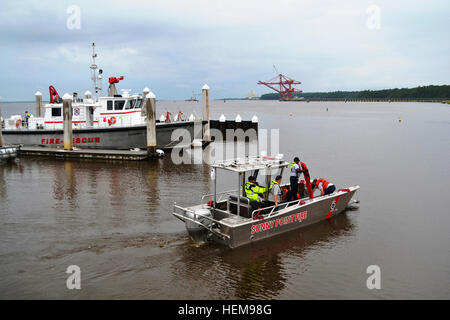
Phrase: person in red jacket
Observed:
(324, 186)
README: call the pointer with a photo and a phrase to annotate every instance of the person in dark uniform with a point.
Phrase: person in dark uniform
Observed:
(296, 171)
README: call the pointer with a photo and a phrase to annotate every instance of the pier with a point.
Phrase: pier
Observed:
(84, 153)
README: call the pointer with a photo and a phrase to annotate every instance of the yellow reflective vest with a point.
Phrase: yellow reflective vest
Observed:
(252, 191)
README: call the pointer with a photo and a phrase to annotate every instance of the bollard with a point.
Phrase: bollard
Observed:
(223, 125)
(38, 96)
(238, 123)
(150, 107)
(254, 124)
(205, 102)
(145, 92)
(67, 121)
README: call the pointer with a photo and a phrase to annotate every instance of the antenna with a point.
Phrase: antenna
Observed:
(94, 68)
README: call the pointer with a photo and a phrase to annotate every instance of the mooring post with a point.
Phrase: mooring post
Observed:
(150, 108)
(67, 121)
(1, 137)
(205, 103)
(145, 92)
(38, 96)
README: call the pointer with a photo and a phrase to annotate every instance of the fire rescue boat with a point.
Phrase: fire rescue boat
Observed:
(115, 121)
(227, 217)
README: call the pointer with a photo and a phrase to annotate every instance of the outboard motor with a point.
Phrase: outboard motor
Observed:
(198, 231)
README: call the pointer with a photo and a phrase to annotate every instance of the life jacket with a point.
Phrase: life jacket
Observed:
(273, 182)
(304, 168)
(252, 191)
(325, 183)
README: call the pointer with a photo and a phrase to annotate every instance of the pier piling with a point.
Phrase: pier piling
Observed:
(67, 121)
(205, 103)
(1, 137)
(38, 96)
(145, 92)
(150, 108)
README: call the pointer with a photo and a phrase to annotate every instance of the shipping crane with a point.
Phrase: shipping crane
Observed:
(283, 85)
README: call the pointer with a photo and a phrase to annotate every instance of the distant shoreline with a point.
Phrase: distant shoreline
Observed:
(429, 93)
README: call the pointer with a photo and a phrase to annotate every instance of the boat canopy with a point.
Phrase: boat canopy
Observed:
(251, 164)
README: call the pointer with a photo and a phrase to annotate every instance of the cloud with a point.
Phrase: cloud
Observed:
(177, 46)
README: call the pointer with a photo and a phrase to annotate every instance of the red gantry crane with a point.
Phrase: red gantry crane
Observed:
(283, 85)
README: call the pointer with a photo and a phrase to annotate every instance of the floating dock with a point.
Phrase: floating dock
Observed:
(84, 153)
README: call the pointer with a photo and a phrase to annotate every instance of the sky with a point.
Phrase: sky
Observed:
(175, 47)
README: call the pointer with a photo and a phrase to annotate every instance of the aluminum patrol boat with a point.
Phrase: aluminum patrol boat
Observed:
(227, 217)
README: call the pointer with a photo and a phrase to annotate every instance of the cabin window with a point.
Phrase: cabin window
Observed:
(129, 105)
(56, 112)
(118, 104)
(138, 103)
(109, 105)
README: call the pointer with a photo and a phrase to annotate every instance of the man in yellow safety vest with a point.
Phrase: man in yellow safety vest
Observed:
(254, 192)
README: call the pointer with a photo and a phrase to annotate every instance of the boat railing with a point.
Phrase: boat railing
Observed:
(298, 202)
(269, 211)
(219, 195)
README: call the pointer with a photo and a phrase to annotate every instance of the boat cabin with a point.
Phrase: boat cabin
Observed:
(118, 111)
(265, 169)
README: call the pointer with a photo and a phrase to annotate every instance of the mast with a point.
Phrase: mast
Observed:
(94, 68)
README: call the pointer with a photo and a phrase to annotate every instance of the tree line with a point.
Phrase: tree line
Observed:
(421, 92)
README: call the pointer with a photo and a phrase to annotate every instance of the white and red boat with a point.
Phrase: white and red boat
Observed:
(115, 121)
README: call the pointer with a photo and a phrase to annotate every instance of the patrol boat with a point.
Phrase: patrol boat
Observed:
(227, 217)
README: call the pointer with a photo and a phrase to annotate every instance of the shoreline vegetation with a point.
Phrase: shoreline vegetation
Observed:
(430, 93)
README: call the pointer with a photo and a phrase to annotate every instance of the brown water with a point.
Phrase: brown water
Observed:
(113, 219)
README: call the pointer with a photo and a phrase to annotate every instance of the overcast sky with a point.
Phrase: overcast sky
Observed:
(174, 47)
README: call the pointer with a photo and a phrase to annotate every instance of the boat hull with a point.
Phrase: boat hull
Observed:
(116, 138)
(289, 219)
(7, 153)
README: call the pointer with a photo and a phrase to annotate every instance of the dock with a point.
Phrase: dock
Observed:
(84, 153)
